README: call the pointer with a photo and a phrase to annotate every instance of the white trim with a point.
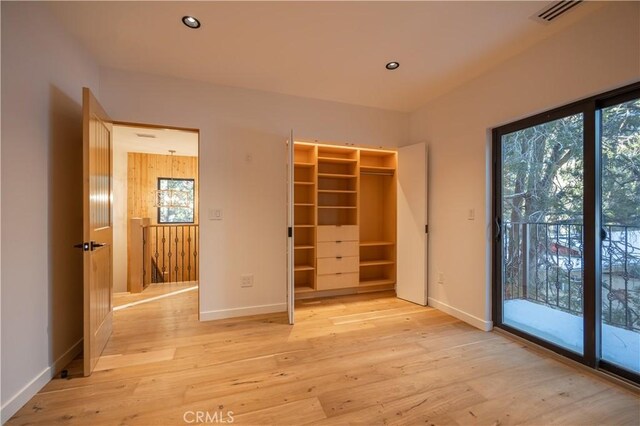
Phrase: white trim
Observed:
(25, 394)
(461, 315)
(66, 358)
(153, 299)
(241, 312)
(33, 387)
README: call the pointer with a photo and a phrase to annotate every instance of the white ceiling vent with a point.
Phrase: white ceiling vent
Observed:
(146, 135)
(554, 10)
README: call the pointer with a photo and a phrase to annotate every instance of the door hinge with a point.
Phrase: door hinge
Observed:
(290, 232)
(426, 229)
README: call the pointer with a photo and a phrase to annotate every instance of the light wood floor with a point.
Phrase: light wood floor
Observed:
(152, 290)
(361, 359)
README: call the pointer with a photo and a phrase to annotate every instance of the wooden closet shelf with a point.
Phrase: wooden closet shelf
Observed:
(303, 204)
(304, 226)
(336, 160)
(304, 289)
(336, 176)
(376, 262)
(306, 165)
(371, 283)
(303, 268)
(337, 207)
(303, 183)
(303, 247)
(376, 243)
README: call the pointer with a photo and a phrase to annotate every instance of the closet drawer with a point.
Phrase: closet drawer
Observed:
(332, 281)
(333, 265)
(336, 249)
(338, 233)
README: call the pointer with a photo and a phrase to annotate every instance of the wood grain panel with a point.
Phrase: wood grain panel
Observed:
(97, 228)
(143, 171)
(334, 265)
(338, 233)
(174, 249)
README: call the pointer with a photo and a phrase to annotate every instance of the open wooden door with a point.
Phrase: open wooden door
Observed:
(412, 224)
(290, 230)
(98, 231)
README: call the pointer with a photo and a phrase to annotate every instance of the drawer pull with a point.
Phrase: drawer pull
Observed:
(339, 241)
(339, 257)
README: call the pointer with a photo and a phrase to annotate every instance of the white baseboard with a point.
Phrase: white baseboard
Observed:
(66, 357)
(25, 394)
(242, 312)
(461, 315)
(30, 389)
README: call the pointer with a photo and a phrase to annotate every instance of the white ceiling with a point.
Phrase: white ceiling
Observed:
(183, 142)
(325, 50)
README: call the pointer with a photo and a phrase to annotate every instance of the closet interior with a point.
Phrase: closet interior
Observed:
(344, 219)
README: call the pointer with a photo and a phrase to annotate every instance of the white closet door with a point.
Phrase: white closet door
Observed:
(412, 224)
(290, 230)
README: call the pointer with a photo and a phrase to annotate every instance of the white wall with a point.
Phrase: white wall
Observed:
(597, 54)
(234, 123)
(43, 72)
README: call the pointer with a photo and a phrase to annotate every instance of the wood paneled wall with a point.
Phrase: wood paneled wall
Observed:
(142, 175)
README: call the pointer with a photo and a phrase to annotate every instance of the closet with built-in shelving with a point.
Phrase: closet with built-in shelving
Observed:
(344, 216)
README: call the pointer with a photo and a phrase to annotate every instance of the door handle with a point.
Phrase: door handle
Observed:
(603, 234)
(83, 246)
(498, 231)
(95, 245)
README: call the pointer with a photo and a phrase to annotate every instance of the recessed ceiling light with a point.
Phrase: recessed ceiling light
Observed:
(191, 22)
(392, 65)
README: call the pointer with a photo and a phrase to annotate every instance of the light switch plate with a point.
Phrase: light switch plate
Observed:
(215, 214)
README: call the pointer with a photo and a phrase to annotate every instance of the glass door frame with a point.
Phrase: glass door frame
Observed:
(591, 110)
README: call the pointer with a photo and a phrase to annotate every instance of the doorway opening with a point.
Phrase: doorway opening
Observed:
(155, 213)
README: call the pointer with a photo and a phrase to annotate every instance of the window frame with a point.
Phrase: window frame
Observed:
(193, 209)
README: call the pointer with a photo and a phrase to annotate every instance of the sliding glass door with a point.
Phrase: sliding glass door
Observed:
(567, 230)
(542, 193)
(620, 258)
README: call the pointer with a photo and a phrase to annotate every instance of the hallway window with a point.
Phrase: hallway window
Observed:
(177, 204)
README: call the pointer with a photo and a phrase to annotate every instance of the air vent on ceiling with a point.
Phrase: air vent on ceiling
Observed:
(146, 135)
(554, 10)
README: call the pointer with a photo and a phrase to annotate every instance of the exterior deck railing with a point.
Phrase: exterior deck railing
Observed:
(543, 263)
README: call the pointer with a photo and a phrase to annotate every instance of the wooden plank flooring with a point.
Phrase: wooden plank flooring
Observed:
(363, 359)
(152, 290)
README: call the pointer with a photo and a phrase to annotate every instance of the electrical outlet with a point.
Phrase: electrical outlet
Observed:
(440, 277)
(247, 280)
